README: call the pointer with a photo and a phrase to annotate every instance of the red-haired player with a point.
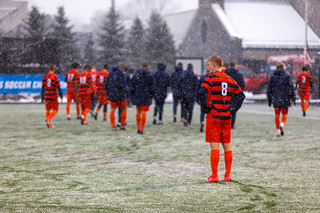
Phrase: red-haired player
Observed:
(50, 84)
(84, 84)
(102, 93)
(71, 79)
(215, 95)
(304, 81)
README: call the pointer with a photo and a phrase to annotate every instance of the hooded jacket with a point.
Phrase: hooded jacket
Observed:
(142, 88)
(280, 89)
(236, 101)
(161, 82)
(175, 81)
(188, 85)
(116, 85)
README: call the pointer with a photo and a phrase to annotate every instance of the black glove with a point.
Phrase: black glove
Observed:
(42, 97)
(61, 96)
(232, 111)
(269, 102)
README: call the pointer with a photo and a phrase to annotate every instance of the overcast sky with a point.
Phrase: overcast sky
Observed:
(81, 11)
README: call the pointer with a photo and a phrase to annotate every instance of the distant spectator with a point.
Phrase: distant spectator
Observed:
(175, 80)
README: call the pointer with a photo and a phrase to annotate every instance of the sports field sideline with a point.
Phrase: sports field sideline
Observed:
(74, 168)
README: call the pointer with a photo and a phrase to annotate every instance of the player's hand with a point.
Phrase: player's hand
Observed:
(42, 98)
(61, 96)
(269, 103)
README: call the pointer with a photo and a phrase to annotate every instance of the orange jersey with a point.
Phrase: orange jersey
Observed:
(94, 74)
(304, 80)
(50, 82)
(84, 81)
(101, 82)
(221, 88)
(71, 80)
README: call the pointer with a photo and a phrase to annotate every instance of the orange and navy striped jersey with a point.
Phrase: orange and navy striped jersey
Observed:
(220, 88)
(101, 82)
(84, 81)
(305, 81)
(71, 80)
(50, 83)
(94, 74)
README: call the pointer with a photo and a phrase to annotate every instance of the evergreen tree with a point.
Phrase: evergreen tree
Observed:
(111, 39)
(159, 44)
(90, 53)
(67, 46)
(136, 45)
(35, 25)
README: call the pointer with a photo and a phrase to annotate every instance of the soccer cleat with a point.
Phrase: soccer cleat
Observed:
(160, 123)
(48, 122)
(185, 124)
(281, 131)
(96, 116)
(304, 113)
(114, 128)
(212, 180)
(140, 132)
(154, 121)
(68, 118)
(122, 127)
(91, 113)
(227, 179)
(174, 119)
(104, 119)
(79, 117)
(118, 124)
(201, 127)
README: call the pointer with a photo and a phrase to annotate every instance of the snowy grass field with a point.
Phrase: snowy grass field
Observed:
(74, 168)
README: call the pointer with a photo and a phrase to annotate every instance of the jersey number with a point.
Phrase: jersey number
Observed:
(101, 79)
(49, 83)
(224, 88)
(303, 79)
(83, 80)
(70, 77)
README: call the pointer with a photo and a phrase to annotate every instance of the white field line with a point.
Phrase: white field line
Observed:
(272, 113)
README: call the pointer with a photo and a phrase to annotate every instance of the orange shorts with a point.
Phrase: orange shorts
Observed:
(120, 104)
(85, 101)
(304, 95)
(103, 99)
(218, 131)
(52, 105)
(142, 108)
(72, 96)
(284, 111)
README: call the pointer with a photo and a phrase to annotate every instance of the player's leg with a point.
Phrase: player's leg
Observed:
(143, 120)
(97, 111)
(112, 116)
(175, 107)
(160, 122)
(69, 99)
(277, 120)
(284, 112)
(190, 113)
(138, 117)
(105, 110)
(124, 105)
(156, 107)
(306, 99)
(86, 105)
(228, 155)
(301, 96)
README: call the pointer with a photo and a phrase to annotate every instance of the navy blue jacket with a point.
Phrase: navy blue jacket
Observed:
(175, 80)
(161, 82)
(142, 88)
(236, 100)
(188, 85)
(116, 85)
(280, 89)
(199, 86)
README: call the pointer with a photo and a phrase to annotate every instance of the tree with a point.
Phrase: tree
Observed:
(63, 34)
(136, 45)
(159, 44)
(111, 39)
(35, 25)
(90, 53)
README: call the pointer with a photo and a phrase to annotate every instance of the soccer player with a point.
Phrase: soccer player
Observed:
(202, 110)
(161, 82)
(128, 83)
(101, 91)
(304, 81)
(188, 85)
(175, 81)
(71, 79)
(50, 84)
(117, 92)
(215, 94)
(238, 77)
(280, 93)
(141, 93)
(94, 99)
(84, 84)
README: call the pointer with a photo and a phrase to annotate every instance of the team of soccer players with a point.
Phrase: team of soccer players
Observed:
(215, 93)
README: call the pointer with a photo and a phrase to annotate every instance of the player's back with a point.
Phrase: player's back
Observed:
(304, 80)
(101, 82)
(51, 82)
(71, 80)
(84, 84)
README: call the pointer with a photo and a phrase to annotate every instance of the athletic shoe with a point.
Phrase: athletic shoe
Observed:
(114, 128)
(85, 123)
(104, 119)
(281, 131)
(154, 121)
(96, 116)
(69, 118)
(174, 119)
(140, 132)
(160, 123)
(304, 113)
(79, 118)
(48, 122)
(91, 113)
(227, 179)
(212, 180)
(122, 127)
(118, 124)
(185, 124)
(201, 127)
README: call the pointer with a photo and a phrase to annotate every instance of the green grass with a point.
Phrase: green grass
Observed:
(74, 168)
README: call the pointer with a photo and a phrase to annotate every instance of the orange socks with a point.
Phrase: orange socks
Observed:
(98, 109)
(143, 120)
(214, 159)
(112, 119)
(84, 113)
(78, 109)
(228, 156)
(138, 118)
(277, 121)
(105, 115)
(123, 117)
(68, 108)
(306, 105)
(284, 119)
